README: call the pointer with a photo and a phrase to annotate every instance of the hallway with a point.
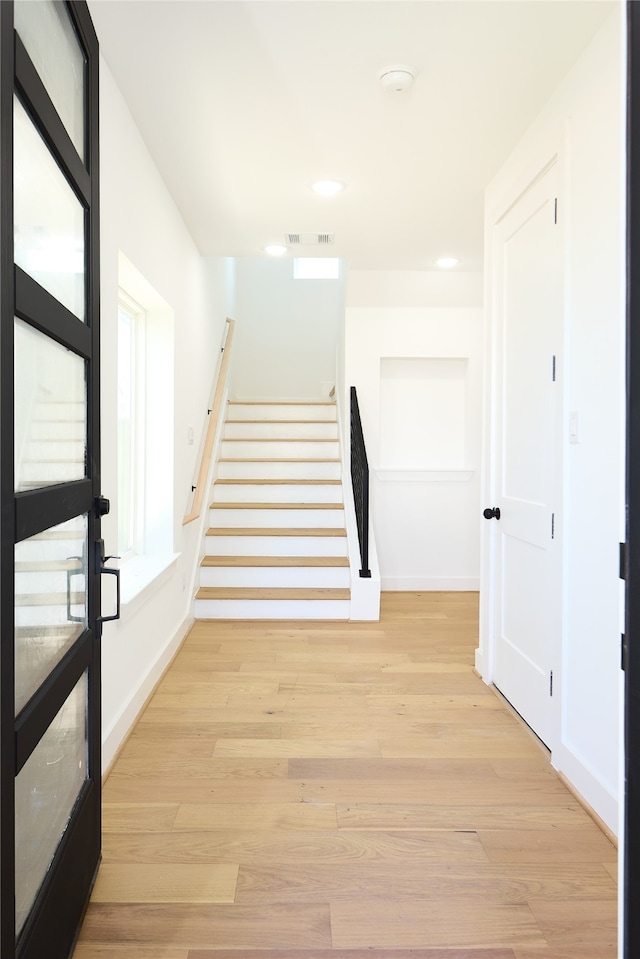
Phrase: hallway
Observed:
(343, 790)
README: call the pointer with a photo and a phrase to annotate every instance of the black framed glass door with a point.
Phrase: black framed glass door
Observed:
(50, 504)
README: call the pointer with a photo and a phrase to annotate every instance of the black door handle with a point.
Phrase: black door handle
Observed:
(492, 513)
(104, 570)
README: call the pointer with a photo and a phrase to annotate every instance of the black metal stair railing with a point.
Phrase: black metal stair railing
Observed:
(360, 482)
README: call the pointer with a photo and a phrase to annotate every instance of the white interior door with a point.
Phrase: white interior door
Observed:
(528, 573)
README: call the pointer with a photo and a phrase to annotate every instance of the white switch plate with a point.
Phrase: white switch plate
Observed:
(190, 436)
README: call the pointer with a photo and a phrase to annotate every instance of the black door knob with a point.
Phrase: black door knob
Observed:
(492, 513)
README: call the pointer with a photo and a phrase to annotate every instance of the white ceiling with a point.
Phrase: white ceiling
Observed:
(244, 104)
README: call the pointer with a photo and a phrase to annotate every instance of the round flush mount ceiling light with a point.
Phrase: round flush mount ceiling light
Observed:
(396, 79)
(446, 262)
(327, 187)
(275, 249)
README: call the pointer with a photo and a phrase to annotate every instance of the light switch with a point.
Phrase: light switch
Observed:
(574, 427)
(190, 436)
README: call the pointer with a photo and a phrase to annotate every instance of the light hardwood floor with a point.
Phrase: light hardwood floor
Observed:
(343, 791)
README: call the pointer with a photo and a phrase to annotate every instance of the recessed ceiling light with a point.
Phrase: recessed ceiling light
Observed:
(327, 187)
(275, 249)
(446, 262)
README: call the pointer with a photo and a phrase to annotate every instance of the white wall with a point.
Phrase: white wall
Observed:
(139, 218)
(425, 510)
(584, 123)
(414, 288)
(295, 323)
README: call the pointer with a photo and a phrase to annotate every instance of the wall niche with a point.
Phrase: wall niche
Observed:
(423, 413)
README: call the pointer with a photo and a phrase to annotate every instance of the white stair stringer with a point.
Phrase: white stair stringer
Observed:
(277, 544)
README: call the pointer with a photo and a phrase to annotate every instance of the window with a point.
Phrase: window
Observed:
(316, 268)
(131, 425)
(145, 409)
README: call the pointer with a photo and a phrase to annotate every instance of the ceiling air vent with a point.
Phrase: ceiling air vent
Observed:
(308, 239)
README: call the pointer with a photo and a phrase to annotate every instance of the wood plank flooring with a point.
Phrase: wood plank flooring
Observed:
(343, 791)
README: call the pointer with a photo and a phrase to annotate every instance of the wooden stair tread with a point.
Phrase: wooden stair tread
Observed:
(267, 531)
(281, 403)
(278, 482)
(283, 422)
(279, 439)
(48, 566)
(285, 561)
(276, 506)
(271, 459)
(275, 593)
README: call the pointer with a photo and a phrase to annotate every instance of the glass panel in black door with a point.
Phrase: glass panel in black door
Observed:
(47, 32)
(48, 218)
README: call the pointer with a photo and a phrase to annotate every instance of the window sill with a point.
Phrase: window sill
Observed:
(141, 576)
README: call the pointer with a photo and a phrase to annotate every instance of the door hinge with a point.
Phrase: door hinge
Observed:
(555, 210)
(551, 683)
(623, 651)
(553, 526)
(623, 561)
(553, 369)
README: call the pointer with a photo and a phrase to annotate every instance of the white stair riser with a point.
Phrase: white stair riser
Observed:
(271, 470)
(69, 412)
(40, 550)
(287, 449)
(281, 493)
(276, 545)
(282, 518)
(284, 411)
(285, 431)
(51, 581)
(45, 615)
(42, 450)
(43, 473)
(271, 609)
(48, 430)
(320, 577)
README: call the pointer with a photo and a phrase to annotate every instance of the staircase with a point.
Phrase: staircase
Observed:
(54, 447)
(276, 547)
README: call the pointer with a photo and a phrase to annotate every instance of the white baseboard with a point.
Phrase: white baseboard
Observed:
(419, 584)
(586, 783)
(114, 738)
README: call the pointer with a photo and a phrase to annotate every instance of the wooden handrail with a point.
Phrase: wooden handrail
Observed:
(212, 428)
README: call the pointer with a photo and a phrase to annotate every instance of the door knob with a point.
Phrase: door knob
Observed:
(492, 513)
